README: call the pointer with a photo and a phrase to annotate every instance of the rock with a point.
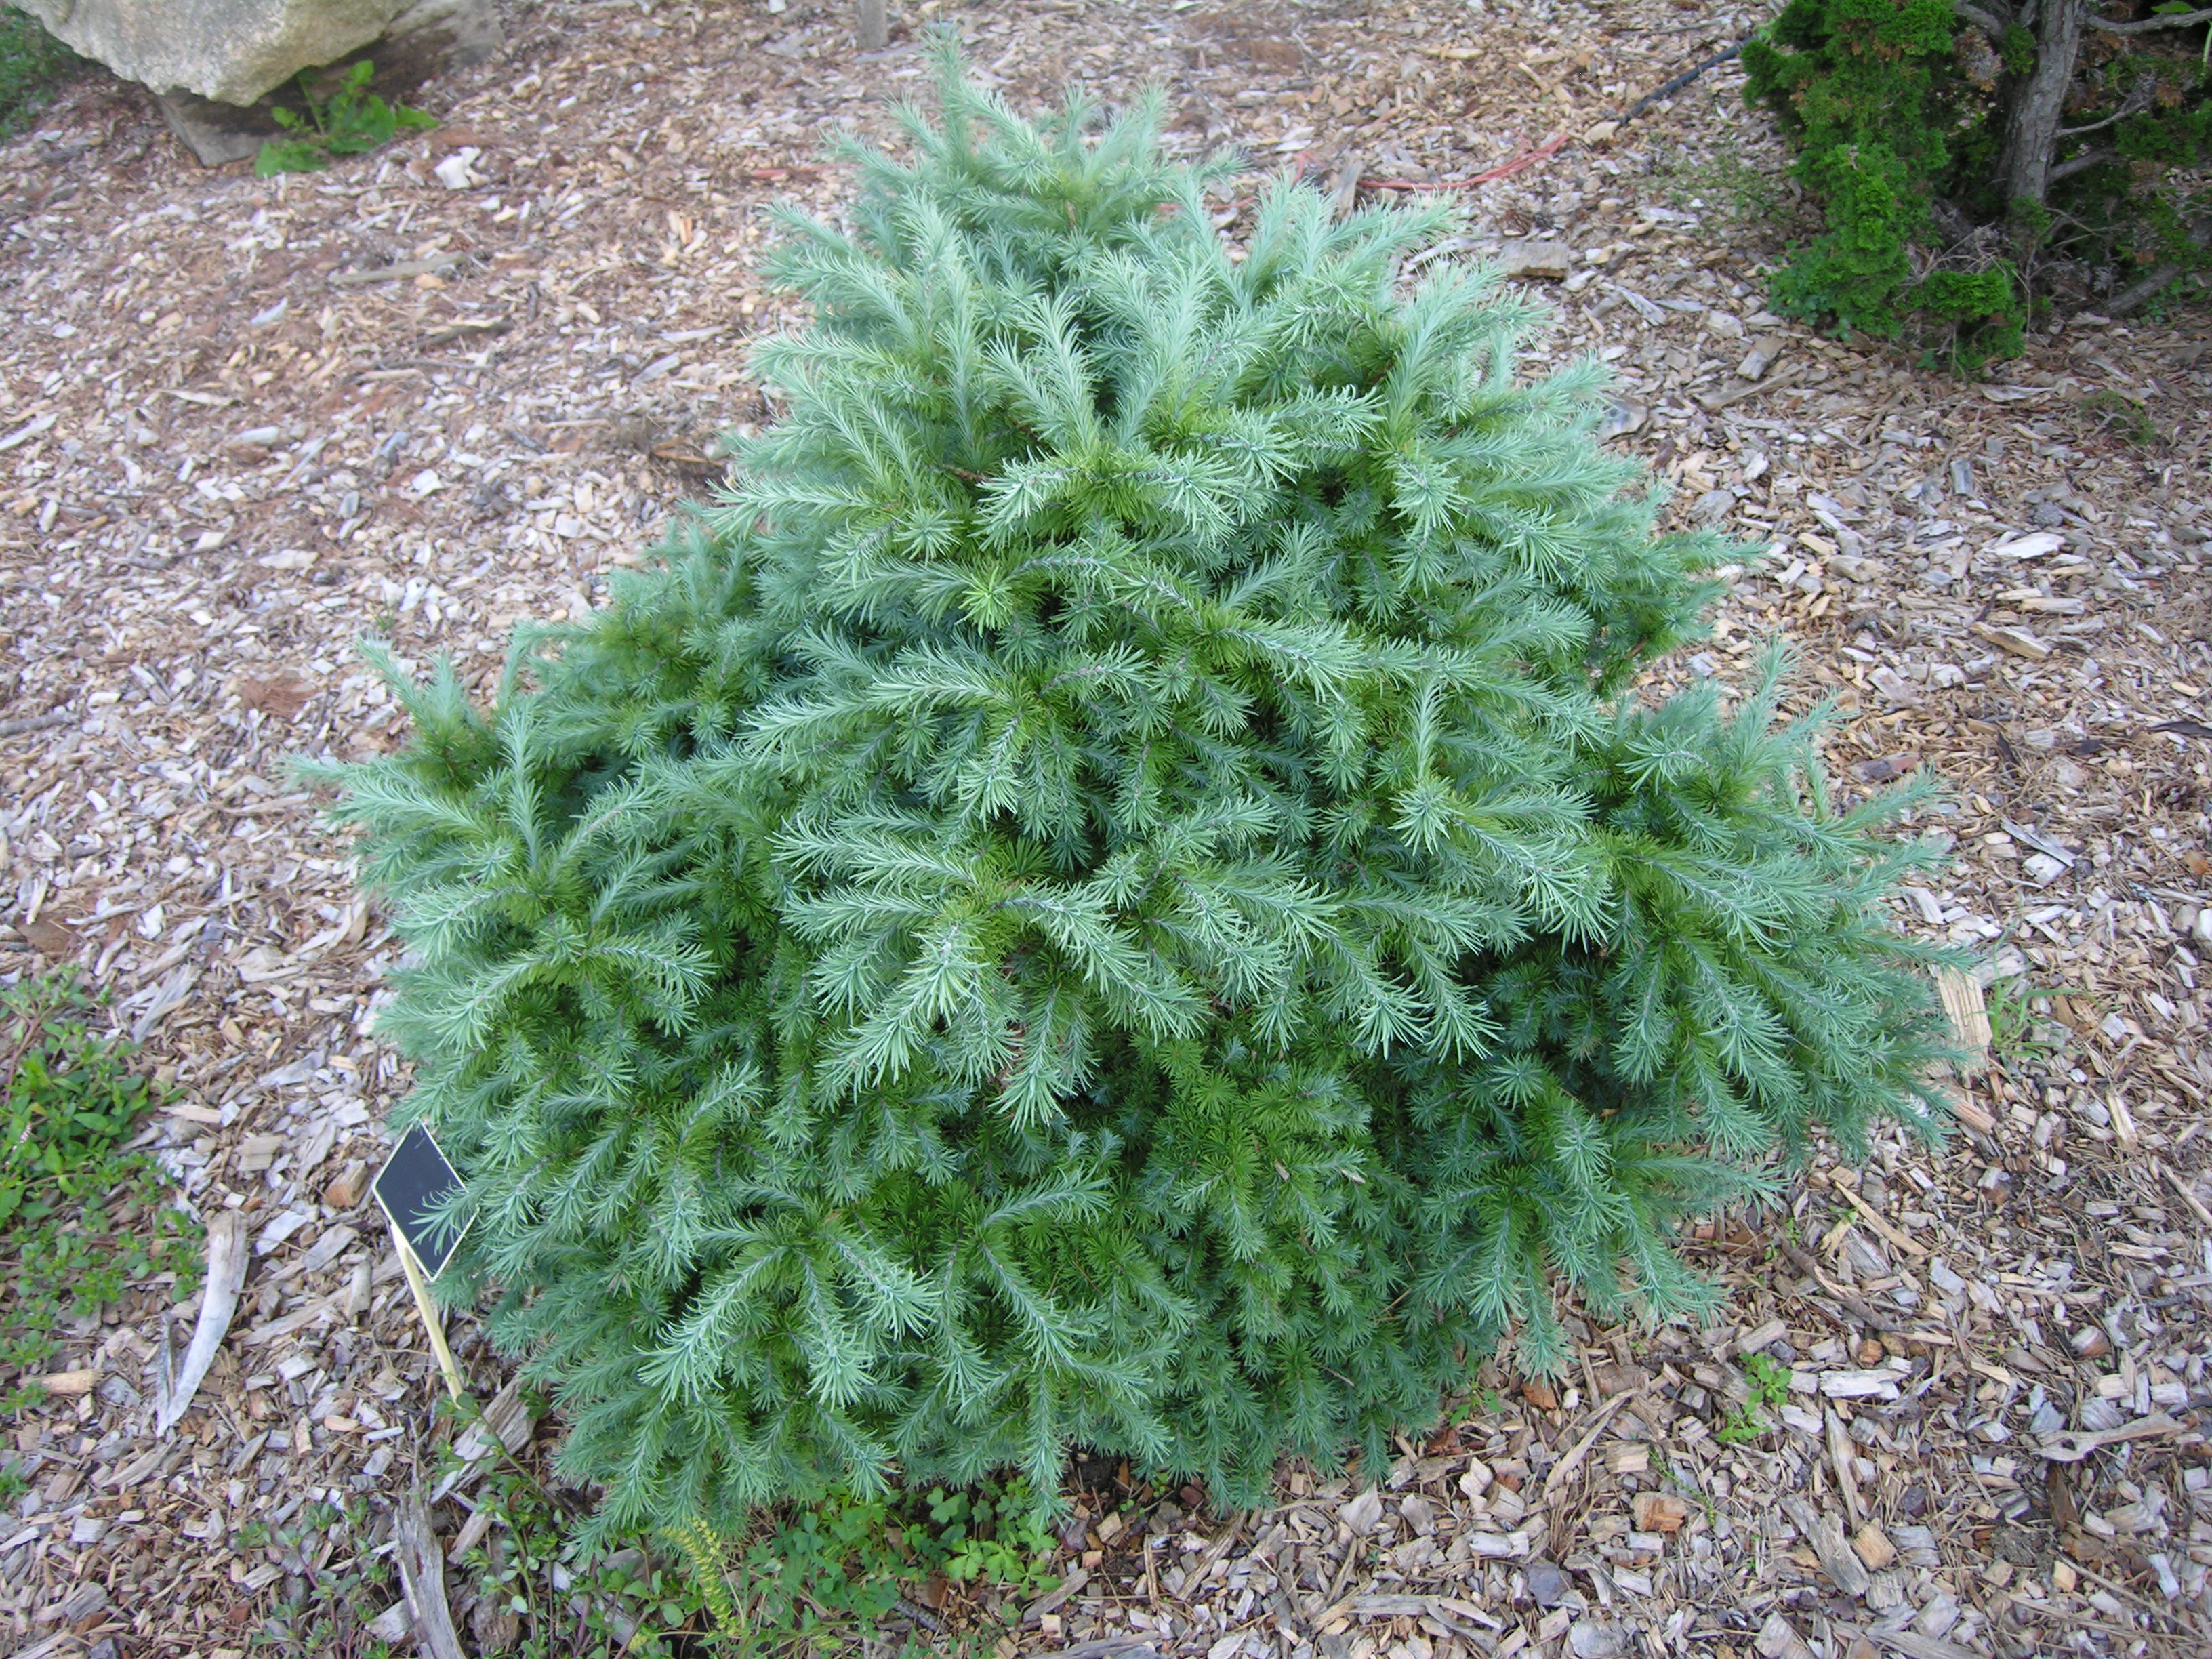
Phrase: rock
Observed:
(216, 134)
(428, 37)
(1528, 257)
(1547, 1582)
(1589, 1638)
(213, 62)
(231, 50)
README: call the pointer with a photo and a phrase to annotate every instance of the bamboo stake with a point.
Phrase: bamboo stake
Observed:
(428, 1310)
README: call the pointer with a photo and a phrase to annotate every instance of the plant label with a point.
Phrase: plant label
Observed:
(413, 1188)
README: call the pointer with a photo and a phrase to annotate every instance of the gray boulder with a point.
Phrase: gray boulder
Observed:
(213, 62)
(230, 51)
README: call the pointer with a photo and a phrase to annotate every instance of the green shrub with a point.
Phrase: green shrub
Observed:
(1869, 93)
(1112, 891)
(1897, 110)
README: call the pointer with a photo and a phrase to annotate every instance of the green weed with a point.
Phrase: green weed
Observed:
(80, 1219)
(69, 1098)
(2018, 1032)
(2125, 416)
(1749, 197)
(1483, 1401)
(1770, 1391)
(1770, 1380)
(805, 1579)
(333, 1581)
(351, 122)
(34, 65)
(1739, 1426)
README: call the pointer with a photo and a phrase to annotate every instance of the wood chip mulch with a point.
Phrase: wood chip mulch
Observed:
(244, 423)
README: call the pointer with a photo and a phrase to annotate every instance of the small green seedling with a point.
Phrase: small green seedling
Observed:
(2018, 1031)
(353, 121)
(1770, 1390)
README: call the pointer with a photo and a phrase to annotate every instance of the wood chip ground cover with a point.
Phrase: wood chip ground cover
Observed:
(1956, 1404)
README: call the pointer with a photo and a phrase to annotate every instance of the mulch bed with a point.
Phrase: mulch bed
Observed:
(244, 423)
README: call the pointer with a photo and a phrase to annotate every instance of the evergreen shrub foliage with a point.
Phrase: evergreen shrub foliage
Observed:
(1897, 108)
(1112, 889)
(1870, 92)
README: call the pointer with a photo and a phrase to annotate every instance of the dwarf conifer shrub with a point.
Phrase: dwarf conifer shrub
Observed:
(1113, 889)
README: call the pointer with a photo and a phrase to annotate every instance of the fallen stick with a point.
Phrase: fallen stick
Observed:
(1505, 169)
(225, 1272)
(422, 1580)
(2072, 1445)
(2181, 1187)
(405, 269)
(220, 1299)
(36, 723)
(1563, 1469)
(1880, 1223)
(1867, 1313)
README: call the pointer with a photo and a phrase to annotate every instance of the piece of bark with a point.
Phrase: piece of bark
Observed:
(1841, 1457)
(1344, 188)
(505, 1422)
(422, 1580)
(225, 1272)
(1826, 1535)
(1564, 1470)
(1968, 1011)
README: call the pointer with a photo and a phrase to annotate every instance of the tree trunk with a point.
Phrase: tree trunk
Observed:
(2039, 102)
(876, 29)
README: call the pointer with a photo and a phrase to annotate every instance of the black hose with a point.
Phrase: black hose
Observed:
(1681, 80)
